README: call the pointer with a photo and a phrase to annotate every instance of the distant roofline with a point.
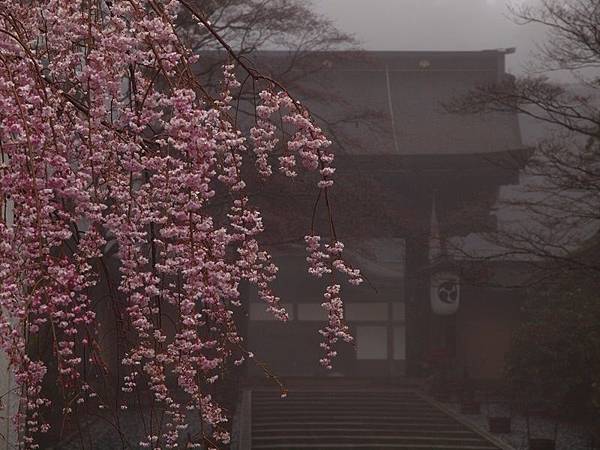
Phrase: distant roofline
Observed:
(403, 60)
(502, 51)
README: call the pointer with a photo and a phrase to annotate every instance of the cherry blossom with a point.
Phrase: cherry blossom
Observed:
(110, 144)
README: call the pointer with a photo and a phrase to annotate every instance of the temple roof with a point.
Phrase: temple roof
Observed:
(392, 102)
(396, 143)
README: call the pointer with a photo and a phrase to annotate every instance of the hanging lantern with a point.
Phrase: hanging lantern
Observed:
(444, 293)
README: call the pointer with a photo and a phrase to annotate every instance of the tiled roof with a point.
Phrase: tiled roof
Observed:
(392, 102)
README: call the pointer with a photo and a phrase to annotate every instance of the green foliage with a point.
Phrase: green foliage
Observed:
(555, 358)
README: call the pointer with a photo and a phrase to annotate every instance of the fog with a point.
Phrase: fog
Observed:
(435, 25)
(216, 233)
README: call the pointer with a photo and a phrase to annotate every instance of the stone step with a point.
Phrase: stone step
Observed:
(339, 383)
(366, 418)
(336, 420)
(336, 428)
(310, 402)
(376, 414)
(291, 399)
(306, 394)
(332, 409)
(333, 406)
(369, 438)
(370, 447)
(331, 425)
(359, 431)
(388, 409)
(351, 395)
(381, 392)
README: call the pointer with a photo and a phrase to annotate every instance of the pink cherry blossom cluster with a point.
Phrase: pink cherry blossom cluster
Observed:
(335, 255)
(311, 144)
(308, 141)
(108, 141)
(322, 260)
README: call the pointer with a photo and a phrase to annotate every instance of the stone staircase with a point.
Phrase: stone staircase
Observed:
(356, 419)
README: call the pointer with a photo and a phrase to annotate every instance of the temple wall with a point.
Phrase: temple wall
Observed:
(375, 313)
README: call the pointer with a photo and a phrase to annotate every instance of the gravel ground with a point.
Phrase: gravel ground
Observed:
(570, 436)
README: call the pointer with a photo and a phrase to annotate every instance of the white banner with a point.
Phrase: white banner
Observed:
(444, 293)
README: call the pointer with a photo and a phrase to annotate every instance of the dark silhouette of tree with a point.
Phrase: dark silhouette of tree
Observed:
(552, 218)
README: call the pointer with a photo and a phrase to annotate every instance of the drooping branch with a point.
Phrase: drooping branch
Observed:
(117, 144)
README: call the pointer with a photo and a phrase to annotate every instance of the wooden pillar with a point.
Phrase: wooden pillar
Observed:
(418, 316)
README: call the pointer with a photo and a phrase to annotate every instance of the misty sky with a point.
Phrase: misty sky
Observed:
(433, 25)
